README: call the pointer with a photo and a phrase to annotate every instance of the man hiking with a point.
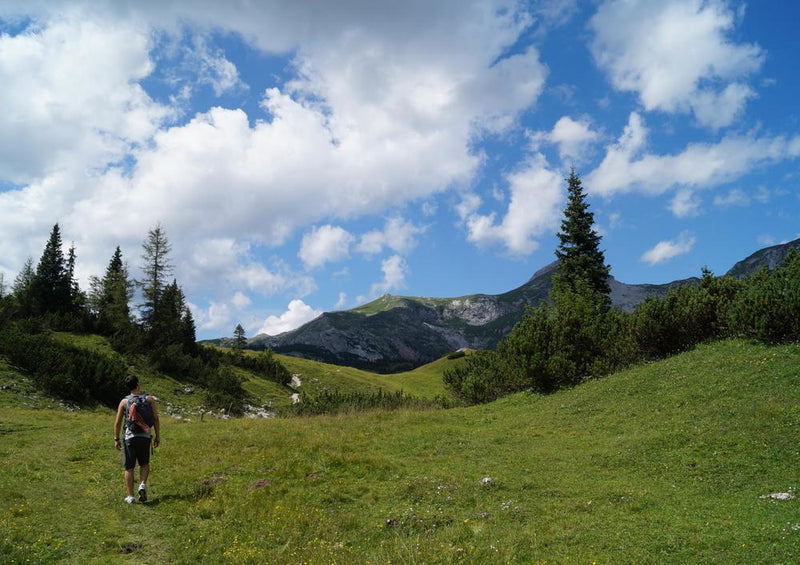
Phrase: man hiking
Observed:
(139, 413)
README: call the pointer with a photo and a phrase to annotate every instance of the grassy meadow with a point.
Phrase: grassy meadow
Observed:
(663, 463)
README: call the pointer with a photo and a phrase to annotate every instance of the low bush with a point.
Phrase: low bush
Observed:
(68, 372)
(768, 306)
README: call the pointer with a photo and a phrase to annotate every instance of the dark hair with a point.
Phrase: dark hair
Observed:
(131, 381)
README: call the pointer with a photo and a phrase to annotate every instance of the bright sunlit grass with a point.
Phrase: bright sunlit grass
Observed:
(664, 463)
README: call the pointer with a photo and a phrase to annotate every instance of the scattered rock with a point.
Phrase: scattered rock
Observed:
(391, 522)
(296, 382)
(486, 481)
(777, 496)
(295, 398)
(188, 389)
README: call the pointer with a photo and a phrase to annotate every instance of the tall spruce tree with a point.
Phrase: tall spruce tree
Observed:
(52, 283)
(157, 269)
(111, 296)
(581, 262)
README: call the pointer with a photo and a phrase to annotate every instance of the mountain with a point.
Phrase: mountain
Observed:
(395, 333)
(768, 257)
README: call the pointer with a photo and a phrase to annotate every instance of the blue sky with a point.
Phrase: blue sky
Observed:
(310, 156)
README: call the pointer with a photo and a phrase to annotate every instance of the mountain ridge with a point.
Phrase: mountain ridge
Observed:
(395, 333)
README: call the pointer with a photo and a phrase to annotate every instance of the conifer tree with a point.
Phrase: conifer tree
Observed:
(52, 286)
(239, 340)
(22, 289)
(581, 261)
(157, 269)
(111, 296)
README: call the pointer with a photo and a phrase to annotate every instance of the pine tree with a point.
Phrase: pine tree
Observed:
(157, 269)
(111, 296)
(52, 286)
(239, 340)
(581, 262)
(22, 289)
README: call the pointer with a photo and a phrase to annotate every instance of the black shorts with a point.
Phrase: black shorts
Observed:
(135, 449)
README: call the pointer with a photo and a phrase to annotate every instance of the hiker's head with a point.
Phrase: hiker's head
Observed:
(132, 382)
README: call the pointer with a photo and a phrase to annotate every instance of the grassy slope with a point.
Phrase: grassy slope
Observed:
(423, 381)
(664, 463)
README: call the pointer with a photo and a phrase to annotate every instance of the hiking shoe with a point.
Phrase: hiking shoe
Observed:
(142, 492)
(129, 499)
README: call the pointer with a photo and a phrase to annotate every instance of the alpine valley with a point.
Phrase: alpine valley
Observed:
(397, 333)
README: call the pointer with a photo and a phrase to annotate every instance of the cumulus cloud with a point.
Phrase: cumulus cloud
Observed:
(666, 250)
(398, 234)
(367, 120)
(534, 207)
(574, 138)
(394, 270)
(626, 167)
(325, 244)
(677, 56)
(297, 314)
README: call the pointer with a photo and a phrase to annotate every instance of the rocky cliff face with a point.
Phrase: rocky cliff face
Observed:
(398, 333)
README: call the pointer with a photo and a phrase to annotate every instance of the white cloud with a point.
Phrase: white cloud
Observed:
(734, 197)
(217, 316)
(213, 68)
(534, 208)
(241, 300)
(394, 270)
(325, 244)
(574, 139)
(685, 204)
(342, 300)
(76, 104)
(398, 235)
(368, 120)
(666, 250)
(677, 56)
(626, 167)
(297, 314)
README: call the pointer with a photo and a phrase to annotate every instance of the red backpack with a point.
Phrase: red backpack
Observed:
(140, 414)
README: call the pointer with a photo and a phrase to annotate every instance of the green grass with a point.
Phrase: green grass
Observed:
(664, 463)
(425, 381)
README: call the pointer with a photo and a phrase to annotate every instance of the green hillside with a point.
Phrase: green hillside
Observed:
(664, 463)
(425, 381)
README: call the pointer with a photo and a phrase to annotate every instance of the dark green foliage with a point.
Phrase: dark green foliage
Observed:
(478, 379)
(224, 390)
(110, 297)
(335, 402)
(53, 288)
(687, 316)
(767, 308)
(578, 253)
(264, 364)
(68, 372)
(239, 340)
(554, 346)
